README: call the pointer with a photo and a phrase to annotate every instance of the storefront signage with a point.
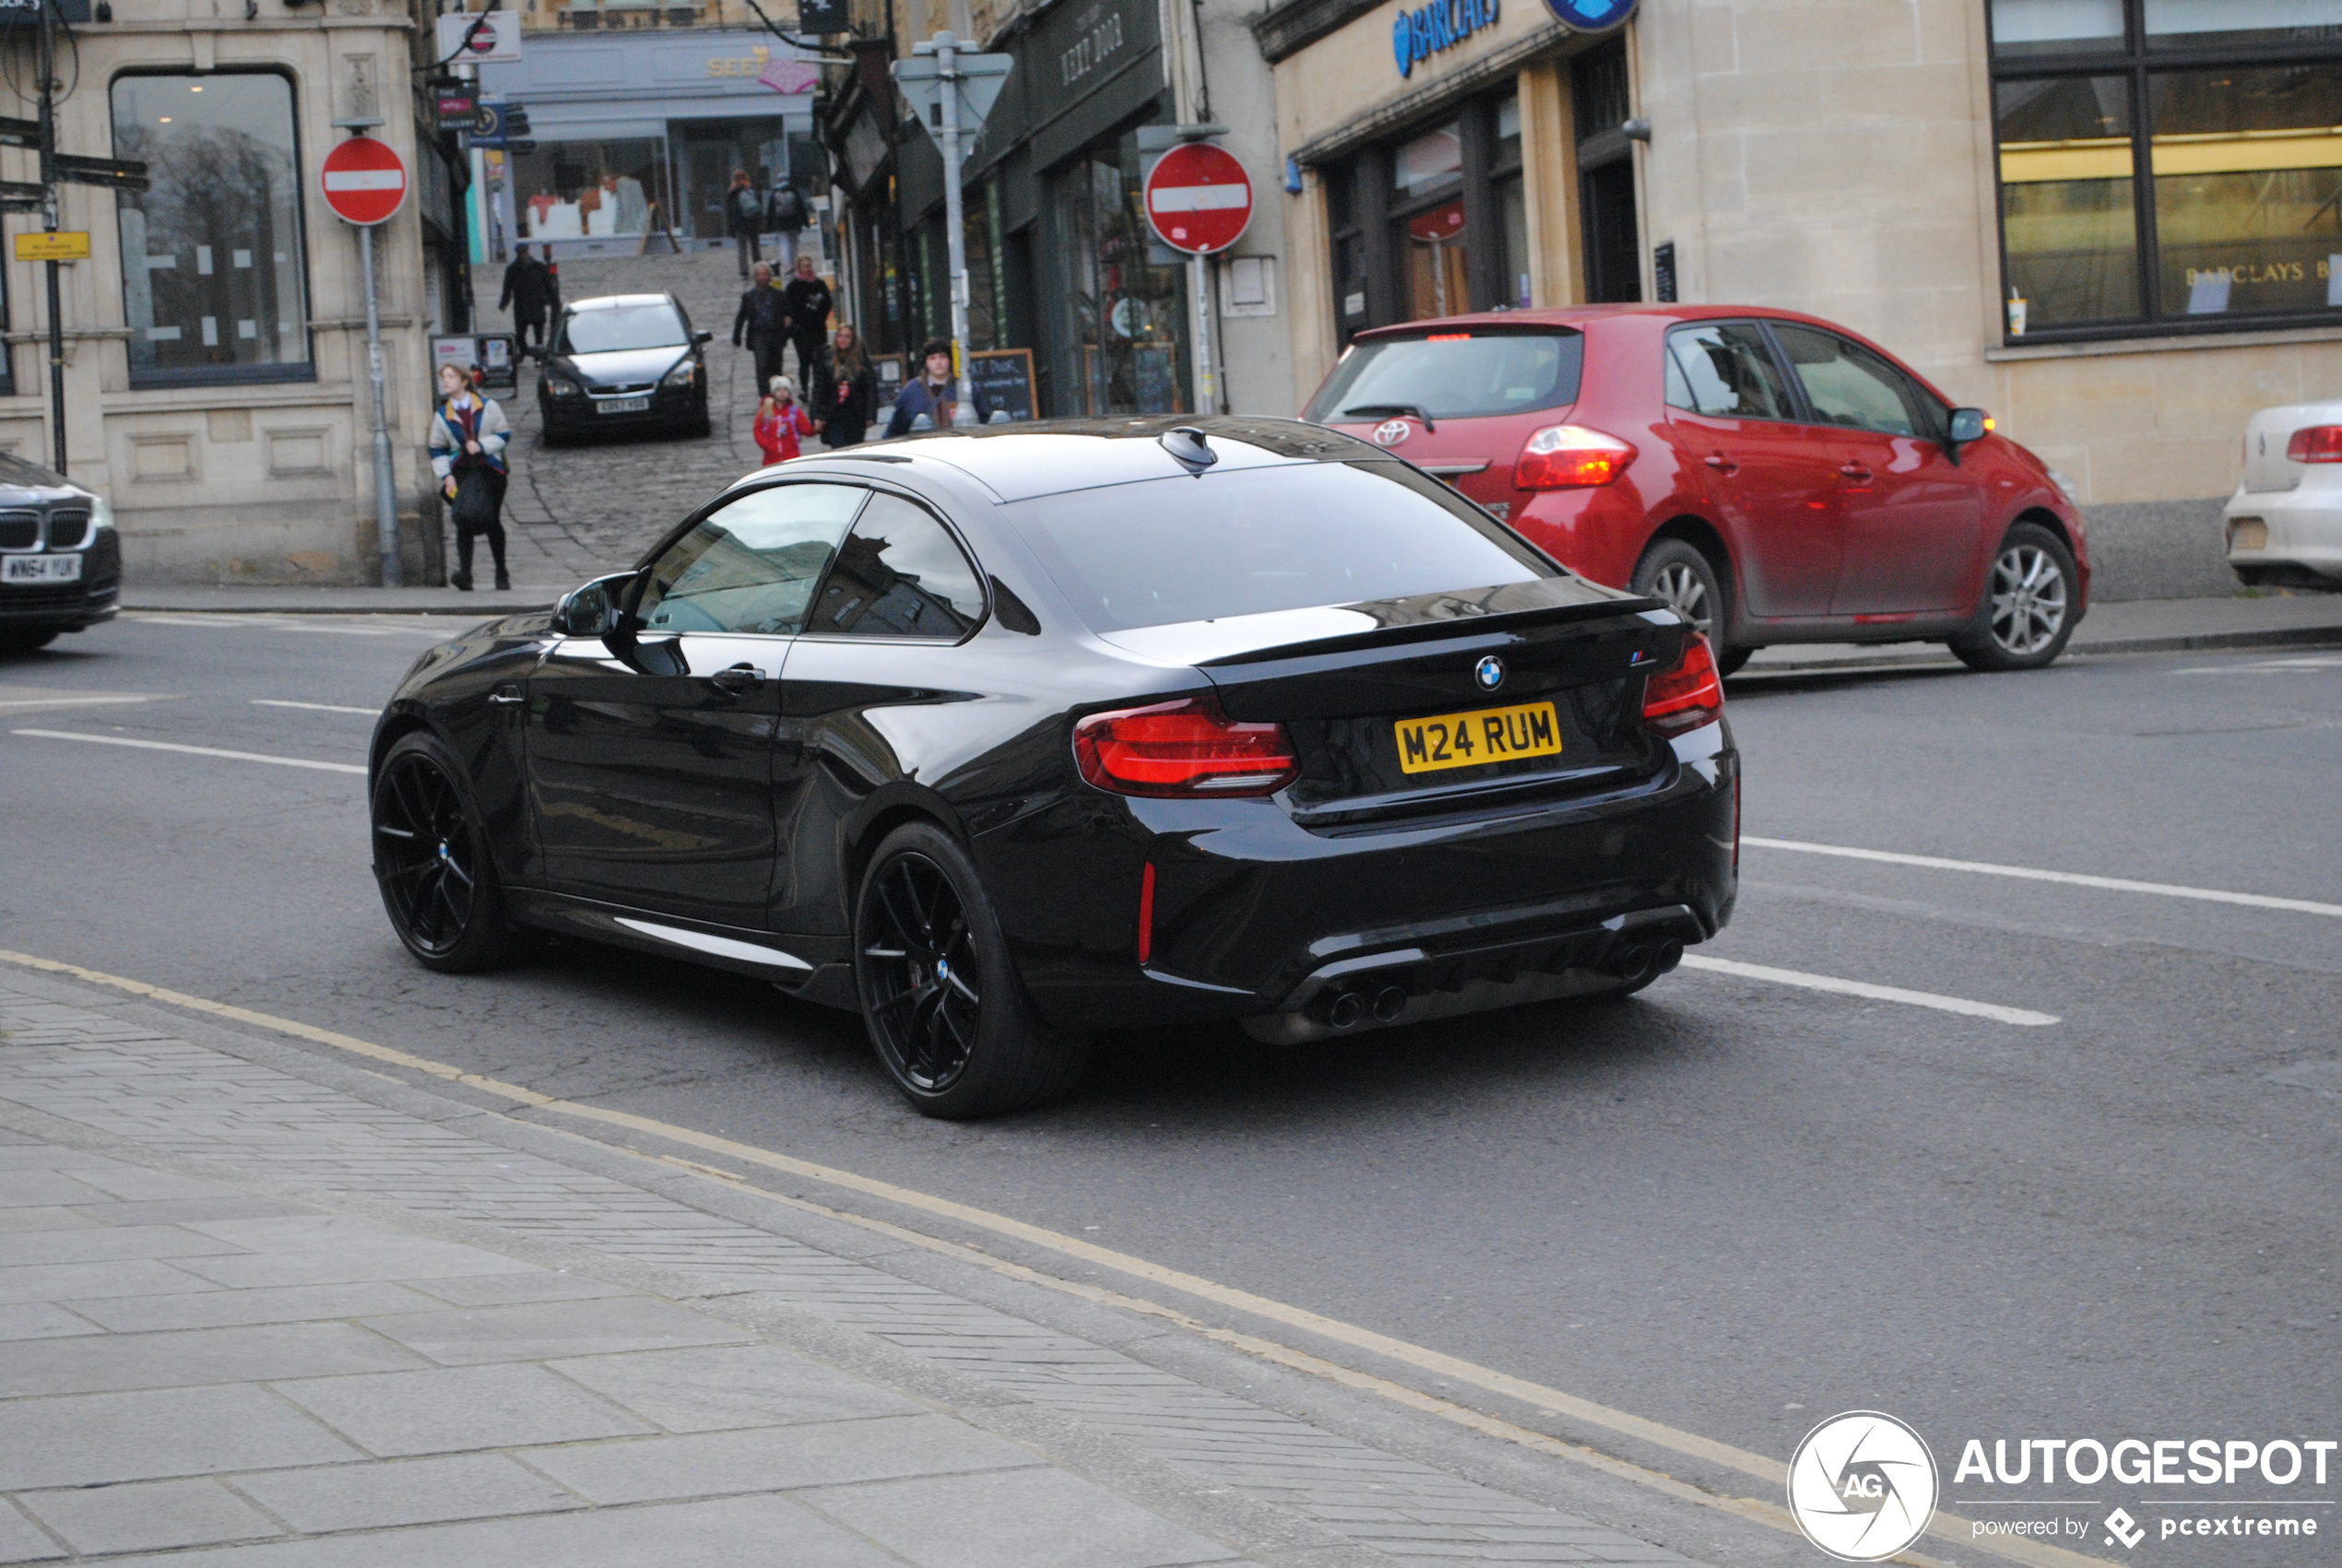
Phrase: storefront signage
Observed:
(1592, 15)
(62, 246)
(1419, 34)
(751, 63)
(1100, 41)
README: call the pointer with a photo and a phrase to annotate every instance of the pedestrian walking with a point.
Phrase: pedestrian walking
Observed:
(528, 294)
(784, 219)
(808, 301)
(846, 392)
(468, 439)
(763, 322)
(782, 423)
(935, 394)
(744, 212)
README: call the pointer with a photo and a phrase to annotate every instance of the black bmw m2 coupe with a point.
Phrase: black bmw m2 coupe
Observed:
(1002, 737)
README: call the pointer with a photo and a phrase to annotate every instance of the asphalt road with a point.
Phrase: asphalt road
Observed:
(1732, 1204)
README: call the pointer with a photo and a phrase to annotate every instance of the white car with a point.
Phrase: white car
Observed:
(2285, 522)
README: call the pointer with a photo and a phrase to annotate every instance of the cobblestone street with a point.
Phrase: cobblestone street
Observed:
(576, 511)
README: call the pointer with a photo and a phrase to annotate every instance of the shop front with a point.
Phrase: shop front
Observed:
(638, 136)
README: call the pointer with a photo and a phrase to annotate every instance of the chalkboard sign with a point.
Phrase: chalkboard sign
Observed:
(1004, 377)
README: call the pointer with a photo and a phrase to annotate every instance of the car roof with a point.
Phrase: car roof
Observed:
(1020, 462)
(612, 301)
(1580, 316)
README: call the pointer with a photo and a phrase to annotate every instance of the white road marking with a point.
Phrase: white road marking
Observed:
(67, 701)
(193, 750)
(1863, 988)
(2070, 878)
(316, 707)
(291, 623)
(2262, 667)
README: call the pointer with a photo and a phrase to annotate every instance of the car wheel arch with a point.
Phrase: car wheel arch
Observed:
(396, 726)
(1704, 537)
(885, 810)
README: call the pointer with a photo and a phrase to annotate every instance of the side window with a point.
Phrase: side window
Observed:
(751, 565)
(1850, 386)
(1726, 371)
(900, 574)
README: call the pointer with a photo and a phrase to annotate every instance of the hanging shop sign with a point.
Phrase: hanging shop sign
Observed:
(1419, 34)
(1592, 16)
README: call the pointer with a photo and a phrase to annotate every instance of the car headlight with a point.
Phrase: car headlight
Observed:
(683, 374)
(561, 387)
(100, 512)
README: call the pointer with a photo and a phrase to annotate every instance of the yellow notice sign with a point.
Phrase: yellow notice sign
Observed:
(64, 245)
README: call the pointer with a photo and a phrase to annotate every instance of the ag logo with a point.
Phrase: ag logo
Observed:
(1391, 432)
(1862, 1486)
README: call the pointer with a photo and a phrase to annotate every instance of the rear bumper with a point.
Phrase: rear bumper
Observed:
(2302, 533)
(1258, 918)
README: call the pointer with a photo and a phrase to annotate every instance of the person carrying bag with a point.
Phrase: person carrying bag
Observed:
(468, 439)
(845, 393)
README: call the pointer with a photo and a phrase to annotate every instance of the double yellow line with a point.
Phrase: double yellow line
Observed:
(1547, 1400)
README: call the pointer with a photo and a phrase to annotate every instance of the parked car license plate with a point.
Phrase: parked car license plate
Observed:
(2248, 534)
(40, 568)
(624, 405)
(1477, 738)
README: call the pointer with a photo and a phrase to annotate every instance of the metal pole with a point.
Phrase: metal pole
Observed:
(1207, 403)
(49, 225)
(956, 241)
(385, 492)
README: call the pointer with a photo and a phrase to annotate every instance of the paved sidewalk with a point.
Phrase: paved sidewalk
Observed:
(2141, 626)
(250, 1302)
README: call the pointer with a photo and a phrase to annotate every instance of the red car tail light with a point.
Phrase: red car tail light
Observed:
(1562, 458)
(2317, 443)
(1686, 694)
(1186, 749)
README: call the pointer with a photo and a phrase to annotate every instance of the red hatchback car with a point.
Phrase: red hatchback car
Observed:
(1775, 477)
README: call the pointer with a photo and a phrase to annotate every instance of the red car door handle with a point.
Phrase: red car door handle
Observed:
(1854, 471)
(1722, 464)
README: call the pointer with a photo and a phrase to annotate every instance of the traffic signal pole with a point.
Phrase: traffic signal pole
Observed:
(945, 47)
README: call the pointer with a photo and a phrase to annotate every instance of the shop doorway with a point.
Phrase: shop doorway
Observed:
(1612, 238)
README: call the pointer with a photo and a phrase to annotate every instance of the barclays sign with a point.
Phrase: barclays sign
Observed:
(1424, 31)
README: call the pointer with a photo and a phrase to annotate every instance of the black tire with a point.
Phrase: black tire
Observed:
(1730, 659)
(957, 1047)
(2027, 616)
(21, 640)
(1678, 574)
(432, 862)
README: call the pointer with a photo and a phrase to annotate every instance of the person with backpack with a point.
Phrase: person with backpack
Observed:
(782, 424)
(807, 301)
(844, 390)
(468, 439)
(784, 218)
(744, 213)
(528, 294)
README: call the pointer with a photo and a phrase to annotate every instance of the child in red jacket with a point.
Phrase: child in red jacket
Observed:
(781, 422)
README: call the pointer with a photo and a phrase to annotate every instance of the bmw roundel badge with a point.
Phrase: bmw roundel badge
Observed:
(1489, 672)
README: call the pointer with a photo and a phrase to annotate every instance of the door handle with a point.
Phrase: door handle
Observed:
(1722, 464)
(506, 696)
(1854, 471)
(739, 679)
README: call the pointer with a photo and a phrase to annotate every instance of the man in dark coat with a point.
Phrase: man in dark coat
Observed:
(807, 299)
(528, 294)
(744, 216)
(935, 394)
(762, 320)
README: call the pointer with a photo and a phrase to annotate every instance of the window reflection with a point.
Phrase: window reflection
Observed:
(2066, 202)
(2248, 189)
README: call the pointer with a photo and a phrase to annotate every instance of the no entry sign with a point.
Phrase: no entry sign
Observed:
(365, 180)
(1198, 199)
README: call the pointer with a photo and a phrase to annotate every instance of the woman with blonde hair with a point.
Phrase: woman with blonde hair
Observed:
(782, 423)
(846, 391)
(468, 439)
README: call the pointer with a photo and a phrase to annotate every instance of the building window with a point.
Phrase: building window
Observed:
(2168, 165)
(213, 275)
(1602, 100)
(1512, 202)
(1122, 328)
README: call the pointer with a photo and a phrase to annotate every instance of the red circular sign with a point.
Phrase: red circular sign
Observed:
(365, 180)
(1199, 199)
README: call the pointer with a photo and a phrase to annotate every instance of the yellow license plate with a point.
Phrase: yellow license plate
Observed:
(1478, 739)
(2248, 534)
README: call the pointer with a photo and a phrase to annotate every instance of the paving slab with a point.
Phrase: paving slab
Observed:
(1037, 1519)
(23, 1541)
(35, 1217)
(447, 1411)
(411, 1491)
(220, 1309)
(68, 1282)
(777, 1458)
(544, 1329)
(98, 1439)
(104, 1242)
(41, 1320)
(715, 1390)
(105, 1362)
(43, 1188)
(333, 1250)
(149, 1515)
(508, 1289)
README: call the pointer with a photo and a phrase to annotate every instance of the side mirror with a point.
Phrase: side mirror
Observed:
(1967, 425)
(702, 337)
(594, 610)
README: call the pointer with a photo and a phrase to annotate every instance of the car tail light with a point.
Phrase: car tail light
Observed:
(1146, 913)
(1687, 693)
(2317, 443)
(1563, 457)
(1183, 749)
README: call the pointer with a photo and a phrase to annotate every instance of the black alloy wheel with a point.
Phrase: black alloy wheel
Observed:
(1678, 574)
(430, 859)
(946, 1015)
(2028, 614)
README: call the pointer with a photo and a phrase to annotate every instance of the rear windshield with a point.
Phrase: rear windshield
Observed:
(1291, 537)
(1455, 375)
(623, 326)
